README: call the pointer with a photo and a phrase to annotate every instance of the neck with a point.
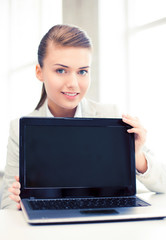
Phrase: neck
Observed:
(66, 113)
(61, 112)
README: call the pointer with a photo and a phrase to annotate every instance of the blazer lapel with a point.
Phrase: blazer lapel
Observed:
(88, 110)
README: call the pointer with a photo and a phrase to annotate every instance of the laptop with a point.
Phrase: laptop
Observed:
(79, 170)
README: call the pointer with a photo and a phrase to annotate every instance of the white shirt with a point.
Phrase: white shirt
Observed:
(78, 112)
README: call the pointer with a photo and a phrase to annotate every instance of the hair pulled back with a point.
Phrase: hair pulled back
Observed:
(62, 36)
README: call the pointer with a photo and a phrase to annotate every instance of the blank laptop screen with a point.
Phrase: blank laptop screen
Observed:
(76, 156)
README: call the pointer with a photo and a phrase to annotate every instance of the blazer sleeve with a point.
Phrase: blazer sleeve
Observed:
(12, 161)
(12, 165)
(154, 178)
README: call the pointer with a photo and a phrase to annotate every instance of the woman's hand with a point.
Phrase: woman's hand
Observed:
(140, 138)
(15, 190)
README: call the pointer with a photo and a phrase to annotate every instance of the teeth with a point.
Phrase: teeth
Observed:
(71, 94)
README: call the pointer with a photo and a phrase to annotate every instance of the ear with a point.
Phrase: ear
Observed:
(39, 73)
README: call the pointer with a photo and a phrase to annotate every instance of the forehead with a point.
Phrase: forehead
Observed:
(76, 56)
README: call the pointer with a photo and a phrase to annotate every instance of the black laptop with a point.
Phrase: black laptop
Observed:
(78, 170)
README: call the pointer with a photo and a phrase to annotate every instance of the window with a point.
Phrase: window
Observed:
(133, 60)
(23, 23)
(147, 72)
(112, 52)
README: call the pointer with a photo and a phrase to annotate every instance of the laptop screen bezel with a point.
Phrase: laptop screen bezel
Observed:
(27, 192)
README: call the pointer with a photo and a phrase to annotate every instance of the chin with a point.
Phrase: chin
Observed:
(71, 104)
(70, 107)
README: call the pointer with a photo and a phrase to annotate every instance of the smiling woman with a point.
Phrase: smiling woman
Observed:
(64, 57)
(64, 60)
(66, 79)
(64, 54)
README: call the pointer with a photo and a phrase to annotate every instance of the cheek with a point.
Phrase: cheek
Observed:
(84, 84)
(52, 83)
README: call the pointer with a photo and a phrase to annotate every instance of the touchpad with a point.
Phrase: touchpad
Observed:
(99, 211)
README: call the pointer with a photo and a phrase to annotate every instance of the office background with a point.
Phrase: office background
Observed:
(129, 61)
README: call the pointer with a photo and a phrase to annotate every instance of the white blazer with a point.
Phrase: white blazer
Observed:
(154, 178)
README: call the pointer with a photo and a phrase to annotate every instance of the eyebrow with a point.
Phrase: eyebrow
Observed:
(68, 66)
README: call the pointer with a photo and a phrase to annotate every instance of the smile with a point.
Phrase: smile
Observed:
(70, 94)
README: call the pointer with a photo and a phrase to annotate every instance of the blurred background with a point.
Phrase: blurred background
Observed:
(129, 59)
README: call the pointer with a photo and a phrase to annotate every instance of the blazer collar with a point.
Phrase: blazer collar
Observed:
(87, 109)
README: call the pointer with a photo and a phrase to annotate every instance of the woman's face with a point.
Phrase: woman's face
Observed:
(66, 76)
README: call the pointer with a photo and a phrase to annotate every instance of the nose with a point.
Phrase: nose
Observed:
(72, 81)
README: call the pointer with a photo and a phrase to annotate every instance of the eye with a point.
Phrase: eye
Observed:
(60, 70)
(83, 72)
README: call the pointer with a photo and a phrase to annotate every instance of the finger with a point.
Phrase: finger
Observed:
(134, 130)
(16, 185)
(17, 178)
(18, 206)
(132, 122)
(15, 191)
(15, 198)
(138, 134)
(127, 116)
(139, 131)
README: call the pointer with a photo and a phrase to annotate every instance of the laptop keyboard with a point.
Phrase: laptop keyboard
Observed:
(60, 204)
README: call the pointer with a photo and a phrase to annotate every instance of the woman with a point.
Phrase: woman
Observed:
(64, 61)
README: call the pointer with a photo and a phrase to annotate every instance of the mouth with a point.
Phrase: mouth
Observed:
(70, 94)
